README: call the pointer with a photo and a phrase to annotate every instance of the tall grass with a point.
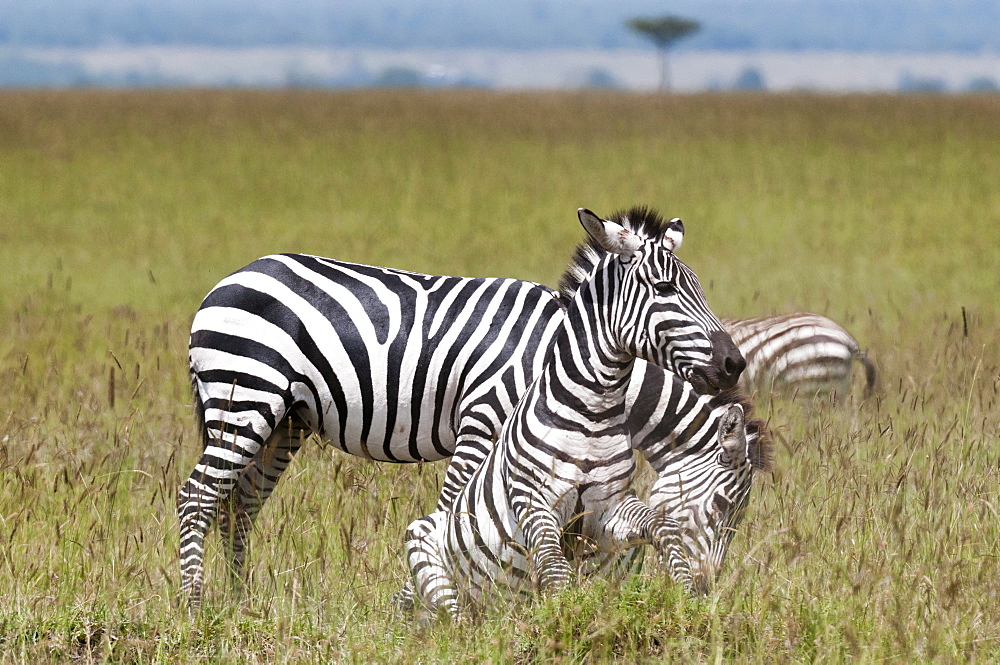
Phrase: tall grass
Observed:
(875, 539)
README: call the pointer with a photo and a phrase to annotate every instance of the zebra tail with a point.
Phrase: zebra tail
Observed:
(871, 379)
(199, 411)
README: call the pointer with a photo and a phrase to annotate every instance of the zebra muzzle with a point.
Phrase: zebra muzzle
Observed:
(724, 368)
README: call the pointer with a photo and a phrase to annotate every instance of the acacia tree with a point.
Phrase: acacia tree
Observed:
(663, 32)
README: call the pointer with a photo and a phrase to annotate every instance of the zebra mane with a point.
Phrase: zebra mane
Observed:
(644, 222)
(759, 445)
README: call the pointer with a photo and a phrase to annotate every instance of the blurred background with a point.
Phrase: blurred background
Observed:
(825, 45)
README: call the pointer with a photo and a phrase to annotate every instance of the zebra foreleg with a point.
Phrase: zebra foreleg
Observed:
(632, 523)
(472, 447)
(470, 453)
(433, 584)
(542, 539)
(463, 464)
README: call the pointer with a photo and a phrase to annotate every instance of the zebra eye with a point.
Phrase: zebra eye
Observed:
(665, 288)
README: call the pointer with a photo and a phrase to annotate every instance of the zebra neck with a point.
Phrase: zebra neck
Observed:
(668, 421)
(585, 372)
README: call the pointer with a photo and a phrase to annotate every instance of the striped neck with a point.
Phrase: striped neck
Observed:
(587, 368)
(668, 420)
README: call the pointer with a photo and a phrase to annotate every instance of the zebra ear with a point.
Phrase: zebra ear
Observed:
(733, 434)
(614, 238)
(673, 236)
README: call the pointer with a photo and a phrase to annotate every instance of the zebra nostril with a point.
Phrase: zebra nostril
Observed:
(729, 362)
(735, 364)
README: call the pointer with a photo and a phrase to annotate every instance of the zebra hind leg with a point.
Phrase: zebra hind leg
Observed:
(871, 373)
(232, 441)
(253, 488)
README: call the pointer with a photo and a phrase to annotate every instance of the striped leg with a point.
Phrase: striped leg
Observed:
(405, 599)
(254, 487)
(542, 537)
(632, 523)
(233, 439)
(434, 586)
(198, 503)
(470, 453)
(472, 447)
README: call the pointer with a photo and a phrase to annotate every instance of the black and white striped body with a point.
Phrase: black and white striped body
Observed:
(802, 352)
(386, 364)
(563, 458)
(704, 470)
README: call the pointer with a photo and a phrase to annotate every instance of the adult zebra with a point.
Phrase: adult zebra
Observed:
(563, 456)
(388, 364)
(802, 352)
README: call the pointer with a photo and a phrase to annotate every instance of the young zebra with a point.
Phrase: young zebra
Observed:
(705, 453)
(801, 351)
(388, 364)
(563, 456)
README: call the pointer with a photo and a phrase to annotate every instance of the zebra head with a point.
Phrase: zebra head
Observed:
(706, 490)
(660, 313)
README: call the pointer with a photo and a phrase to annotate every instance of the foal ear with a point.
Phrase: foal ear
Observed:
(673, 235)
(614, 238)
(733, 434)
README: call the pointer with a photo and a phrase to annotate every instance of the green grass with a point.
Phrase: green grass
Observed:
(876, 539)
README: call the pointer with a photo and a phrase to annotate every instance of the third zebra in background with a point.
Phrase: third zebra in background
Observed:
(799, 353)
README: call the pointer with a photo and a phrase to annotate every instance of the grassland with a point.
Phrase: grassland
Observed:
(876, 538)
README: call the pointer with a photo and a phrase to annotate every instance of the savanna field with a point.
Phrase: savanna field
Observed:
(875, 539)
